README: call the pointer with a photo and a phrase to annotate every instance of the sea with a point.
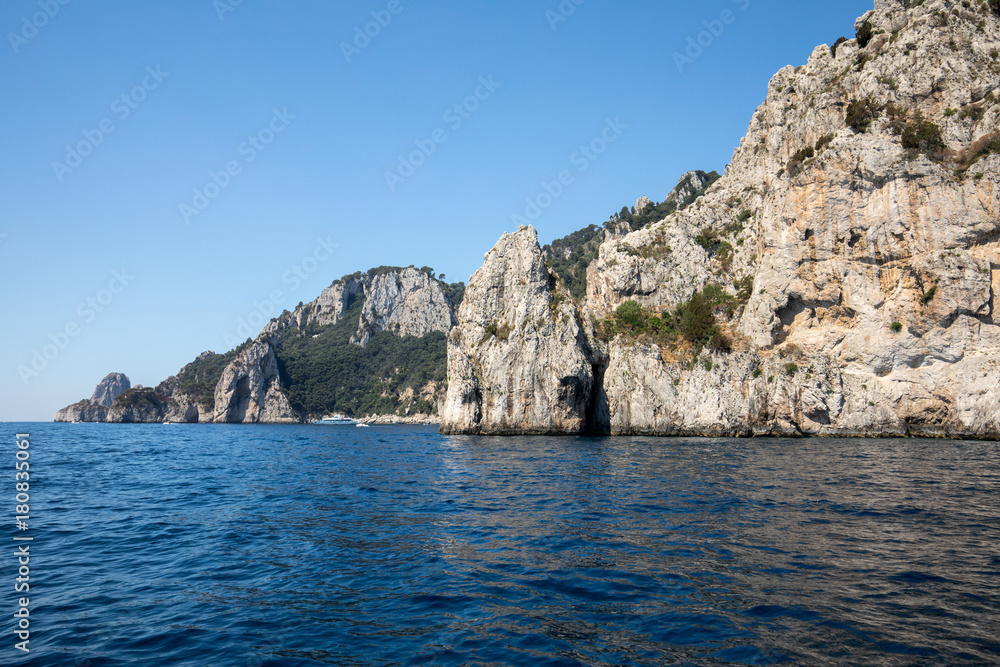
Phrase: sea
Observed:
(232, 545)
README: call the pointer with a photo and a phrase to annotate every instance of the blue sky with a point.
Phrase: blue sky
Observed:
(172, 170)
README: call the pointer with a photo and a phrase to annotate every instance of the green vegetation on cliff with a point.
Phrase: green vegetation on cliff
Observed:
(322, 372)
(694, 320)
(683, 195)
(454, 291)
(570, 256)
(140, 399)
(197, 380)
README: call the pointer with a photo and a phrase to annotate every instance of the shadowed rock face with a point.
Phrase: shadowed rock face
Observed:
(872, 265)
(250, 391)
(109, 388)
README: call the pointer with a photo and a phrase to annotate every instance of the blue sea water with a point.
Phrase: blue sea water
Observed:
(217, 545)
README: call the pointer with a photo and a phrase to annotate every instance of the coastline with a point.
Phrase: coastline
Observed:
(393, 420)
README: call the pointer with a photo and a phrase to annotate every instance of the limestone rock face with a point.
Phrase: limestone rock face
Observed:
(82, 411)
(862, 278)
(688, 188)
(403, 301)
(518, 361)
(328, 308)
(407, 302)
(650, 266)
(249, 390)
(109, 388)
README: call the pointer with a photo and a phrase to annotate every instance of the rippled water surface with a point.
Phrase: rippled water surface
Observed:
(311, 545)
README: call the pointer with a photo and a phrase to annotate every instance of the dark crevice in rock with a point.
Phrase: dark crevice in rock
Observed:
(239, 402)
(598, 413)
(989, 317)
(791, 310)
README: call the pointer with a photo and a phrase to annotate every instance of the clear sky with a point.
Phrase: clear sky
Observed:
(169, 167)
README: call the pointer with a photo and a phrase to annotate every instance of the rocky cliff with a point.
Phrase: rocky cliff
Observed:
(82, 411)
(691, 186)
(838, 279)
(401, 301)
(249, 390)
(187, 397)
(109, 388)
(519, 363)
(251, 384)
(95, 409)
(407, 302)
(328, 308)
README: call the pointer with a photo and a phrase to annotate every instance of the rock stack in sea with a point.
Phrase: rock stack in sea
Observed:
(95, 409)
(109, 388)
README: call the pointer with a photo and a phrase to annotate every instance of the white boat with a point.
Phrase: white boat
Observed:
(336, 420)
(363, 425)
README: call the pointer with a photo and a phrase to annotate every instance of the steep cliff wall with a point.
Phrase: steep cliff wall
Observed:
(325, 309)
(95, 409)
(249, 390)
(855, 243)
(407, 302)
(519, 362)
(138, 405)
